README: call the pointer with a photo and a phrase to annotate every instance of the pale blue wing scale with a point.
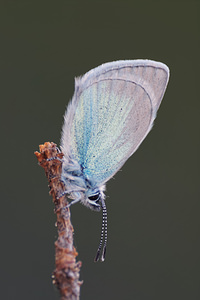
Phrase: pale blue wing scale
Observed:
(112, 111)
(108, 130)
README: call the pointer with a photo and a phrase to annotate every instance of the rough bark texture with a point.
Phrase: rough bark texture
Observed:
(67, 271)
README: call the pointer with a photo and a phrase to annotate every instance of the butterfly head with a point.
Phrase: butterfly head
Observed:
(94, 199)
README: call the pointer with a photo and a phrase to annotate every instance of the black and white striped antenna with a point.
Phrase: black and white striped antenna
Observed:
(104, 234)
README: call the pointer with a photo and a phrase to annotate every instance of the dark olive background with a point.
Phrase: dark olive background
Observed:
(153, 203)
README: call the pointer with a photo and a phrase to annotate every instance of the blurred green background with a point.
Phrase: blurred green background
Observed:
(153, 203)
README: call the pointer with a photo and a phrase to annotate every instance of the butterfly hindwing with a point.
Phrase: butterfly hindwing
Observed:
(112, 111)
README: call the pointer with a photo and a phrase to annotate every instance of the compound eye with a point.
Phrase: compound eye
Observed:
(94, 197)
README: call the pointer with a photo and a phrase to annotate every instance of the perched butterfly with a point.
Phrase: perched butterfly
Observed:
(111, 112)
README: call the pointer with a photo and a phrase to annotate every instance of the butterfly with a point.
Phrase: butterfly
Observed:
(112, 110)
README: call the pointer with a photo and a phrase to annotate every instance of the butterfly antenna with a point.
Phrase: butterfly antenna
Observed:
(105, 218)
(103, 235)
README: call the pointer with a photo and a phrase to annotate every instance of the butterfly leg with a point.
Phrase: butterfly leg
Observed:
(58, 149)
(73, 202)
(55, 158)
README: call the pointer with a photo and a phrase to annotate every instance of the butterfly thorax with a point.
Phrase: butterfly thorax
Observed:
(79, 187)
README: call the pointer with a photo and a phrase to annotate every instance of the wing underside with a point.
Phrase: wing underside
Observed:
(112, 111)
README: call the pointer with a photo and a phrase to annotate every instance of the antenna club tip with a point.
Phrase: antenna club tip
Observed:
(97, 256)
(103, 256)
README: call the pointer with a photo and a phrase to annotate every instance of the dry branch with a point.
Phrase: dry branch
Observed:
(67, 272)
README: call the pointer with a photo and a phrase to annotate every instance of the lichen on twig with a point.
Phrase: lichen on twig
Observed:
(67, 272)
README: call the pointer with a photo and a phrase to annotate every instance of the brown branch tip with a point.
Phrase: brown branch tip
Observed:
(67, 271)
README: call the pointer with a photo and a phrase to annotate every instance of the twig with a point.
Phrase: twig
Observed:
(67, 272)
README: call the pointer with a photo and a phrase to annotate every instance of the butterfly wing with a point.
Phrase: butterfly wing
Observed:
(112, 111)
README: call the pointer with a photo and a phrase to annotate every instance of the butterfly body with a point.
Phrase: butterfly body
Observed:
(81, 186)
